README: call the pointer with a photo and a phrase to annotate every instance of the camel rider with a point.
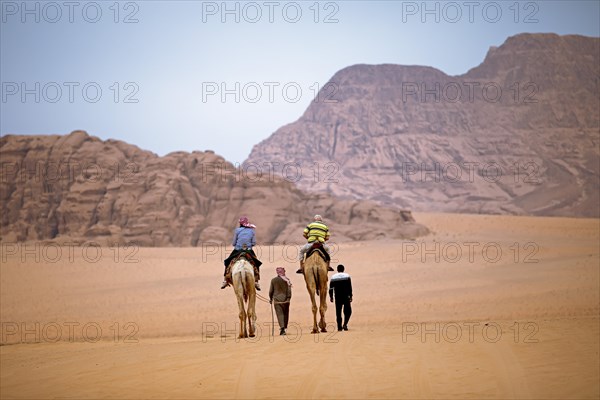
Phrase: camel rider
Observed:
(315, 231)
(244, 238)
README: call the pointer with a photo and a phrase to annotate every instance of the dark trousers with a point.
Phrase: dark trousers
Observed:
(283, 314)
(345, 304)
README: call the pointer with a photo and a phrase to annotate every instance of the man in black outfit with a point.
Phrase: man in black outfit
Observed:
(341, 286)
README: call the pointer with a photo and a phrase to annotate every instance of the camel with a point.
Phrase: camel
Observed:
(315, 276)
(242, 274)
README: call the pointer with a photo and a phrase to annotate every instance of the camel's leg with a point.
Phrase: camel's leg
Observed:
(243, 332)
(251, 310)
(311, 293)
(311, 286)
(323, 309)
(314, 311)
(251, 323)
(240, 299)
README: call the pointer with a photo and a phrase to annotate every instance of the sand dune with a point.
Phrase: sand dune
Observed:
(484, 307)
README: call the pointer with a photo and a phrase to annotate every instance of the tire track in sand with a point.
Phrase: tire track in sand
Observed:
(510, 377)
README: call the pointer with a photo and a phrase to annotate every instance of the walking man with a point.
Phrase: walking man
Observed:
(341, 287)
(280, 293)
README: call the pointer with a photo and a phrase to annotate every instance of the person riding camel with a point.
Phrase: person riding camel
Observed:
(244, 238)
(315, 231)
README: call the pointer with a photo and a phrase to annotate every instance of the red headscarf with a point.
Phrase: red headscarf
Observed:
(244, 222)
(281, 274)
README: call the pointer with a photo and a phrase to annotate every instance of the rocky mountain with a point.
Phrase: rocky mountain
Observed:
(518, 134)
(78, 188)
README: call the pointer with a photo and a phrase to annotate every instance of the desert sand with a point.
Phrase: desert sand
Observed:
(483, 307)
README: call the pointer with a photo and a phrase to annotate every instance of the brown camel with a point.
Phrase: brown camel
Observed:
(242, 274)
(315, 276)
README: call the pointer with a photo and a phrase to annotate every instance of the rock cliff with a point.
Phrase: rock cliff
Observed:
(78, 188)
(518, 134)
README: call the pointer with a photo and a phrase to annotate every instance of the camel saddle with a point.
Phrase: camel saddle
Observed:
(318, 247)
(251, 260)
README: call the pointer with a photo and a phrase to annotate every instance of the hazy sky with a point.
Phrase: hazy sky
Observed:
(193, 75)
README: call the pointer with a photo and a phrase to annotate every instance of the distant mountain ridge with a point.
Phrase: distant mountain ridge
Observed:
(518, 134)
(78, 188)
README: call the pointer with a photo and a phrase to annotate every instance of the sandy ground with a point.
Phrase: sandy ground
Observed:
(485, 307)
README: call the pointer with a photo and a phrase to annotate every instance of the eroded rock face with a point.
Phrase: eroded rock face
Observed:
(519, 134)
(79, 188)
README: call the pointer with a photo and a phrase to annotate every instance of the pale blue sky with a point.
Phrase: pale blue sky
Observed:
(178, 48)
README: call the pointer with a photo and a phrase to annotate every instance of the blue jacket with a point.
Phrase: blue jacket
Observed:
(243, 236)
